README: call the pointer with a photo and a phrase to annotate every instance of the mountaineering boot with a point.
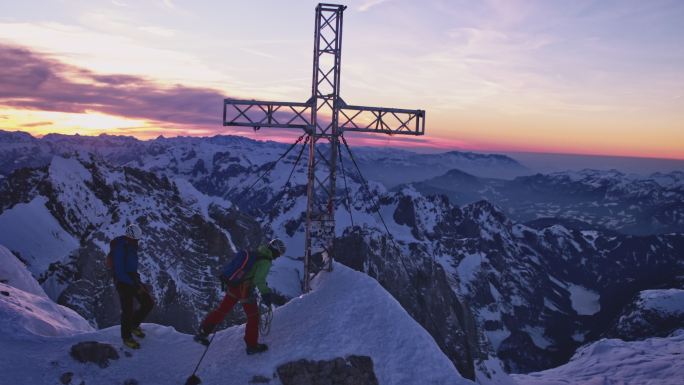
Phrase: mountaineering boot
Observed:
(258, 348)
(131, 343)
(138, 332)
(202, 338)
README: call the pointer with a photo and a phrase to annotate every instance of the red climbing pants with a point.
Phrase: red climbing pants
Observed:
(242, 294)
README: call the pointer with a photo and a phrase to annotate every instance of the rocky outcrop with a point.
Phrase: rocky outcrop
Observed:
(95, 352)
(652, 313)
(421, 287)
(352, 370)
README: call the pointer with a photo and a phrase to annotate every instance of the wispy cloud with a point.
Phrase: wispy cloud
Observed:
(30, 80)
(370, 4)
(158, 31)
(36, 124)
(169, 4)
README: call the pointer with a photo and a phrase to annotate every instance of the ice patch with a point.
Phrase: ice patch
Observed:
(537, 335)
(578, 336)
(496, 337)
(584, 301)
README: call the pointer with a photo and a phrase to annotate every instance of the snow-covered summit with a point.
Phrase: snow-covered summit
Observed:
(346, 313)
(656, 361)
(652, 313)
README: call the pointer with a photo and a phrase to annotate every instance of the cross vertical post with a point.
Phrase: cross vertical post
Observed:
(324, 117)
(325, 94)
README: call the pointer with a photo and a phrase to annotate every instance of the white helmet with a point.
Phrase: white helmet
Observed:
(278, 246)
(133, 231)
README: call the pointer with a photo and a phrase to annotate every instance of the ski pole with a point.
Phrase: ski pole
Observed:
(193, 379)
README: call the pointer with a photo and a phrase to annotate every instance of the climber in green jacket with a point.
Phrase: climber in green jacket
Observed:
(246, 271)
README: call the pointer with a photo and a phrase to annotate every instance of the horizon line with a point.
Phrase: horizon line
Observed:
(423, 146)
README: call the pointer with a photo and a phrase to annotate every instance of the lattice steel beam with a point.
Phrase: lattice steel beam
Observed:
(253, 113)
(392, 121)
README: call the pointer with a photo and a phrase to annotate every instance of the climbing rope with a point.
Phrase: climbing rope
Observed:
(370, 196)
(287, 185)
(265, 318)
(244, 192)
(346, 188)
(299, 157)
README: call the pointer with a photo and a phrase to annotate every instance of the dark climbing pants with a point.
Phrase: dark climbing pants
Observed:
(242, 294)
(130, 318)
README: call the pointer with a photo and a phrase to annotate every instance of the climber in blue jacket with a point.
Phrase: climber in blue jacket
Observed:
(123, 257)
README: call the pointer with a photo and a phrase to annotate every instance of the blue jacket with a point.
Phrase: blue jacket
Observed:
(124, 253)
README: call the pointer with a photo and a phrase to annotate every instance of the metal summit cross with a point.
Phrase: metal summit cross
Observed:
(325, 117)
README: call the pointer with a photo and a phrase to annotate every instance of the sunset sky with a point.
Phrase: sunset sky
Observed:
(587, 77)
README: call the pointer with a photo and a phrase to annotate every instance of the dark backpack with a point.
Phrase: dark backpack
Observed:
(109, 260)
(234, 272)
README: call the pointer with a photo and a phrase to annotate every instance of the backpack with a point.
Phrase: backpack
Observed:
(233, 273)
(109, 259)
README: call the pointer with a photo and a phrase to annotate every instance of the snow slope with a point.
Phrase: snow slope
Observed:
(666, 301)
(19, 230)
(24, 314)
(656, 361)
(346, 313)
(14, 273)
(25, 309)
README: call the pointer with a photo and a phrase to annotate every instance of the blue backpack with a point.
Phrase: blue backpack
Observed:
(233, 273)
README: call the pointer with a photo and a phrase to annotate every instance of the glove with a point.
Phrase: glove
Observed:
(267, 299)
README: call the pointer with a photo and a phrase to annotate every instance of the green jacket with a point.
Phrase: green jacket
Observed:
(259, 271)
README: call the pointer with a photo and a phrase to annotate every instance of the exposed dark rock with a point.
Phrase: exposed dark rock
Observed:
(259, 380)
(65, 378)
(96, 352)
(246, 231)
(408, 277)
(354, 370)
(131, 381)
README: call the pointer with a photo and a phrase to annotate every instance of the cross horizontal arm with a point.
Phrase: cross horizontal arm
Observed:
(392, 121)
(257, 114)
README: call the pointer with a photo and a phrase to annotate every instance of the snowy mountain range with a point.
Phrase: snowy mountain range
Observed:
(588, 199)
(20, 149)
(537, 294)
(492, 291)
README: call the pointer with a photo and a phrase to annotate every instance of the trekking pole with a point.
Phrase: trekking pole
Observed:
(193, 379)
